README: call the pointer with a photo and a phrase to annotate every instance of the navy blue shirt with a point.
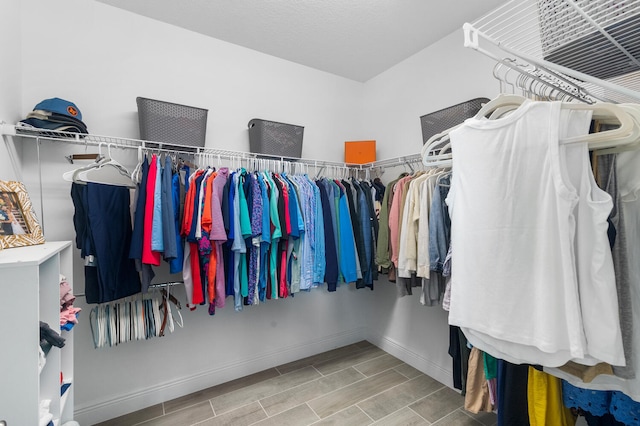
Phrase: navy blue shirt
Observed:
(331, 252)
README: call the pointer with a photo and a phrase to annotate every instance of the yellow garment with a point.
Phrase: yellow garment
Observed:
(544, 394)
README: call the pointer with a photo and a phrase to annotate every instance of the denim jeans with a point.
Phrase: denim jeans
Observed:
(439, 225)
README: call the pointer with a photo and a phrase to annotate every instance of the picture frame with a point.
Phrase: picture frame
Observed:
(18, 222)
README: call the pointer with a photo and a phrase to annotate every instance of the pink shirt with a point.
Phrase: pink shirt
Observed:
(149, 256)
(394, 218)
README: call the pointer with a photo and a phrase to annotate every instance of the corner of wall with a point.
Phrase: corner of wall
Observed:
(10, 84)
(414, 359)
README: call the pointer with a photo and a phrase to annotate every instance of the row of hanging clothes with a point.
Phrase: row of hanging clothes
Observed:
(244, 232)
(544, 217)
(261, 235)
(414, 241)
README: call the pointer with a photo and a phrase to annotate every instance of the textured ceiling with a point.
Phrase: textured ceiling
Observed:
(357, 39)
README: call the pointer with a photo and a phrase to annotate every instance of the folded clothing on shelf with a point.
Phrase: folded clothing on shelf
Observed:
(56, 114)
(68, 312)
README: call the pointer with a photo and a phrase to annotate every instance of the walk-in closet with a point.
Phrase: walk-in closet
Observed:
(350, 213)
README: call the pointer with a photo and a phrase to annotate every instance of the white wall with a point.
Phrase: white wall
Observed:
(112, 56)
(442, 75)
(115, 56)
(10, 82)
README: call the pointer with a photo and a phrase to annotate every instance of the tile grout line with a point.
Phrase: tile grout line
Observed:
(320, 372)
(340, 388)
(283, 391)
(388, 415)
(372, 359)
(448, 415)
(263, 410)
(267, 396)
(355, 352)
(212, 409)
(418, 414)
(237, 408)
(410, 378)
(365, 413)
(358, 363)
(314, 412)
(410, 403)
(387, 389)
(356, 404)
(464, 411)
(337, 412)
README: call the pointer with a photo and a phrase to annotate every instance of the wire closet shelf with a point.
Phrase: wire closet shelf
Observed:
(203, 153)
(588, 50)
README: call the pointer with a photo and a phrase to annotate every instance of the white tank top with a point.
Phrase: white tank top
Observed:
(594, 261)
(628, 169)
(513, 274)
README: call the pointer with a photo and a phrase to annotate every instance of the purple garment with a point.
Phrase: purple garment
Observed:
(256, 207)
(218, 232)
(256, 231)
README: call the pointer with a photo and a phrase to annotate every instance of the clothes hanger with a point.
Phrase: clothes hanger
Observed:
(623, 134)
(109, 172)
(634, 111)
(136, 175)
(502, 100)
(70, 175)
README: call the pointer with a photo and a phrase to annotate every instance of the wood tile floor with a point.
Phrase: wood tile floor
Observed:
(358, 384)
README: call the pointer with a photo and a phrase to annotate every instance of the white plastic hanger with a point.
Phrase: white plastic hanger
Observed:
(501, 101)
(624, 134)
(108, 172)
(70, 175)
(634, 111)
(136, 175)
(436, 151)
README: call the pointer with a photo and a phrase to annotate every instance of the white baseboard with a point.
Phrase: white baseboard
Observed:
(412, 358)
(127, 403)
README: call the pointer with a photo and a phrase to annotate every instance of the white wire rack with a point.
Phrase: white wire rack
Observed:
(201, 154)
(593, 45)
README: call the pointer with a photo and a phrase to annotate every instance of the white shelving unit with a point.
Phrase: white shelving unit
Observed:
(30, 289)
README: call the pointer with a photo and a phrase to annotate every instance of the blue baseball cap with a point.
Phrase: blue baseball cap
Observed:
(60, 106)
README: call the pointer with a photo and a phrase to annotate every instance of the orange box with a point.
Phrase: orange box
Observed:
(359, 152)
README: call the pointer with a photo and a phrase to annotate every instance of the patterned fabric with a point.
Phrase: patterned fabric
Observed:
(595, 402)
(256, 230)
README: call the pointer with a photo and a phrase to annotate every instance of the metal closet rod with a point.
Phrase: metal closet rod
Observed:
(153, 146)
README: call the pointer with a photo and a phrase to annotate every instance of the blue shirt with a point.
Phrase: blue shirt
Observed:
(175, 265)
(170, 243)
(266, 221)
(157, 237)
(319, 260)
(347, 242)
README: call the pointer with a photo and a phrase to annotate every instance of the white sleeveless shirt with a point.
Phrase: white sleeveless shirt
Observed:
(514, 279)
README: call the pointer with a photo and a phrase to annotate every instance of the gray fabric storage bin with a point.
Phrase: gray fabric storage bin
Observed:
(273, 138)
(172, 123)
